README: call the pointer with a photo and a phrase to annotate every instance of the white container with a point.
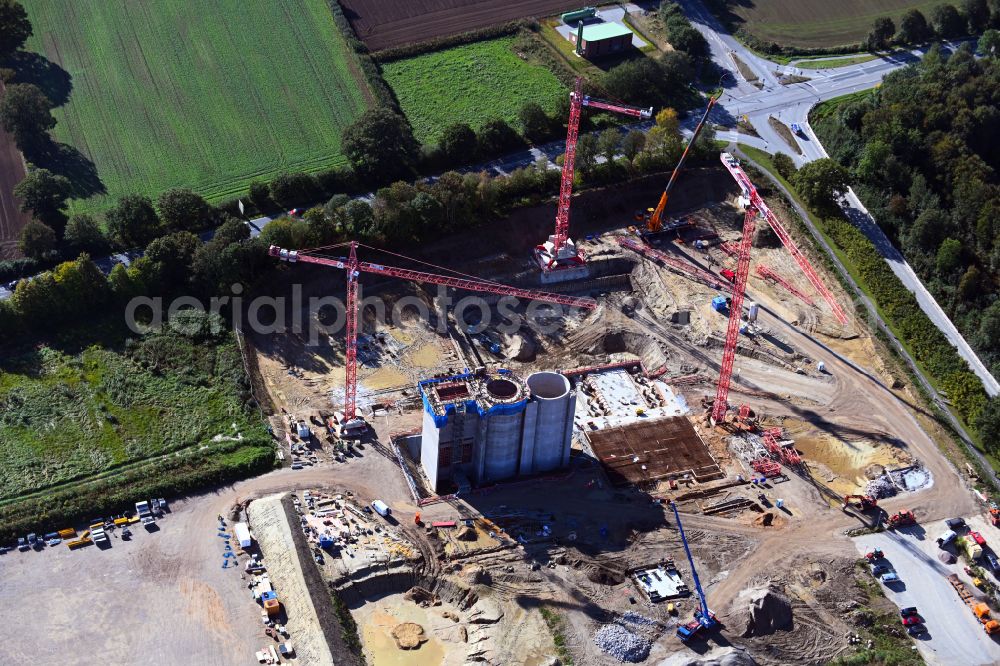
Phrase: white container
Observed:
(242, 534)
(381, 508)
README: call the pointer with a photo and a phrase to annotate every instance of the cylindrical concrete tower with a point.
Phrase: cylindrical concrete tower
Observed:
(553, 420)
(502, 436)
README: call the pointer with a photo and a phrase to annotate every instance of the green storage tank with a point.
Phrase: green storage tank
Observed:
(579, 14)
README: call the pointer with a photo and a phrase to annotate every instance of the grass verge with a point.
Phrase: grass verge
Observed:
(883, 639)
(745, 70)
(785, 133)
(555, 624)
(836, 62)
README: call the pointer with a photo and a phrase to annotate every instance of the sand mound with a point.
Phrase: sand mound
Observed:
(769, 611)
(408, 635)
(477, 575)
(720, 656)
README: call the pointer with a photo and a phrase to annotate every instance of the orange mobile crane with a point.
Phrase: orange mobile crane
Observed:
(654, 223)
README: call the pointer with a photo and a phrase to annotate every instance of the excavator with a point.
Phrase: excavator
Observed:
(901, 519)
(860, 502)
(654, 216)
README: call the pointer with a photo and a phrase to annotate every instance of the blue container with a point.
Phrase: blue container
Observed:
(719, 303)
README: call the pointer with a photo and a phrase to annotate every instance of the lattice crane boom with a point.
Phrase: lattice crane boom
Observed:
(559, 248)
(354, 268)
(735, 317)
(734, 168)
(691, 271)
(655, 222)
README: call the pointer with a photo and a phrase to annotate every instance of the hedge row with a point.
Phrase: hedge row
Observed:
(170, 477)
(929, 345)
(380, 89)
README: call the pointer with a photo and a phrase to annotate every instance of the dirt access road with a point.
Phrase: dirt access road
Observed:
(383, 24)
(12, 172)
(860, 404)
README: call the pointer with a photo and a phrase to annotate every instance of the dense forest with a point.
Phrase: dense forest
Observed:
(924, 151)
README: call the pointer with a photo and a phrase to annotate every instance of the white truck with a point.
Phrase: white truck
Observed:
(145, 513)
(98, 534)
(381, 508)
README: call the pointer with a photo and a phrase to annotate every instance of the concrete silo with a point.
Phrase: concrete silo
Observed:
(550, 413)
(500, 431)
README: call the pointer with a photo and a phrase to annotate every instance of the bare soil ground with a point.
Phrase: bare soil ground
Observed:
(12, 220)
(383, 24)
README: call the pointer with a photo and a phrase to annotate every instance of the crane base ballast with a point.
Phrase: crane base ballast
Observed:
(568, 263)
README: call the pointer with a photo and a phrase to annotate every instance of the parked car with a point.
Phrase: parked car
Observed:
(22, 544)
(992, 562)
(911, 620)
(946, 538)
(891, 577)
(879, 569)
(955, 523)
(978, 538)
(909, 610)
(916, 629)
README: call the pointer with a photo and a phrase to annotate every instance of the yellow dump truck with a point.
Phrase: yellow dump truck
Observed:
(978, 608)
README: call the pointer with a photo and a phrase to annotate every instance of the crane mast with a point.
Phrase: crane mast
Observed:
(354, 268)
(735, 316)
(559, 251)
(704, 618)
(750, 192)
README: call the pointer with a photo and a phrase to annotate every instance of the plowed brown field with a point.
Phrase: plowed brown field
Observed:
(12, 220)
(383, 24)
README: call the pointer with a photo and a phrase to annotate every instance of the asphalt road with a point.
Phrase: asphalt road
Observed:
(954, 635)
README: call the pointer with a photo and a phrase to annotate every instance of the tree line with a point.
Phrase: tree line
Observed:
(923, 154)
(946, 22)
(399, 215)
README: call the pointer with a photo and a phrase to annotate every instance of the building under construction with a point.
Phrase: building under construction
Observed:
(490, 426)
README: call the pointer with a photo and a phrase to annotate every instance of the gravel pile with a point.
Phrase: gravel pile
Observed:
(880, 487)
(636, 618)
(622, 644)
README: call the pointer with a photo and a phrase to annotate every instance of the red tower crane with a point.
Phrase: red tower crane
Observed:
(749, 191)
(559, 251)
(735, 316)
(756, 205)
(354, 269)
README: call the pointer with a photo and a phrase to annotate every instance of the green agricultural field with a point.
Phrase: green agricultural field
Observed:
(818, 23)
(118, 412)
(209, 95)
(468, 84)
